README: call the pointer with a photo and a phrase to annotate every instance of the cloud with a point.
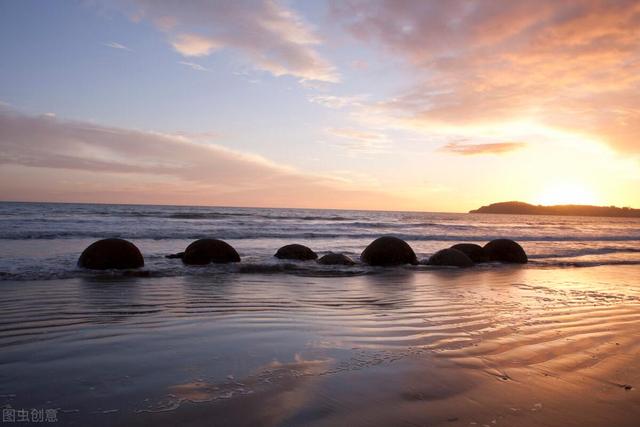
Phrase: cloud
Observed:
(479, 149)
(573, 66)
(359, 141)
(115, 45)
(45, 158)
(271, 35)
(194, 45)
(337, 102)
(360, 65)
(193, 66)
(198, 136)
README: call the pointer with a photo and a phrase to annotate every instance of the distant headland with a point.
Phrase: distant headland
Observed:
(521, 208)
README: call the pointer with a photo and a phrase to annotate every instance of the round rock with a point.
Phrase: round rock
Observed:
(333, 258)
(451, 258)
(206, 251)
(111, 253)
(387, 251)
(296, 251)
(473, 251)
(505, 250)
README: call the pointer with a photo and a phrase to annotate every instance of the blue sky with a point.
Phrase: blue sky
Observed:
(384, 106)
(63, 64)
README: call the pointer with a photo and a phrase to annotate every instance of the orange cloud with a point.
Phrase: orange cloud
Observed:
(478, 149)
(573, 66)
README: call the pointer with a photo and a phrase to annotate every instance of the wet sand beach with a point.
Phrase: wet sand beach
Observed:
(487, 346)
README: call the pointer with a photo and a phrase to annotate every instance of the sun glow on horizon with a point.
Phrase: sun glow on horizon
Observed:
(567, 193)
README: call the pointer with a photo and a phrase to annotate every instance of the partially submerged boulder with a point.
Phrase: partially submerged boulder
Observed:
(505, 250)
(473, 251)
(387, 251)
(333, 258)
(206, 251)
(296, 251)
(451, 258)
(111, 253)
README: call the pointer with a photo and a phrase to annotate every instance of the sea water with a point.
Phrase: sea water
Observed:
(43, 241)
(274, 342)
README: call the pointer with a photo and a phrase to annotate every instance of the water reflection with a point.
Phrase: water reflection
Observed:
(113, 299)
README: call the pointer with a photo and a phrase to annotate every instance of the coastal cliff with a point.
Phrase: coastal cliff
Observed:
(521, 208)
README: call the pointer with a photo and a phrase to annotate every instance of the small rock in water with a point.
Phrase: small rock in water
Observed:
(296, 251)
(506, 250)
(174, 256)
(206, 251)
(333, 258)
(473, 251)
(450, 258)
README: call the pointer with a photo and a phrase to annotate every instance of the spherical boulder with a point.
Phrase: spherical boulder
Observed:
(473, 251)
(333, 258)
(206, 251)
(296, 251)
(450, 257)
(111, 253)
(387, 251)
(505, 250)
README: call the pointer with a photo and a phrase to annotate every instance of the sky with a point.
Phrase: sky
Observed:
(385, 105)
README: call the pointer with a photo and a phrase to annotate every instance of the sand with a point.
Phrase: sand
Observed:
(510, 346)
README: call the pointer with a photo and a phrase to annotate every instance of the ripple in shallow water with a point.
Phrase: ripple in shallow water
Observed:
(154, 344)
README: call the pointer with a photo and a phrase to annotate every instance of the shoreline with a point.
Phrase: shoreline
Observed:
(302, 270)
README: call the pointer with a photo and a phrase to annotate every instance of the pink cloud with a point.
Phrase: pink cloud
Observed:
(45, 158)
(194, 45)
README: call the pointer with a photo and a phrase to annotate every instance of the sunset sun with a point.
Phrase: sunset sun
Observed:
(567, 193)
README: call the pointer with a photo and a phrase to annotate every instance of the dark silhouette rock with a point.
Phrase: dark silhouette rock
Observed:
(505, 250)
(333, 258)
(174, 256)
(206, 251)
(296, 251)
(450, 257)
(520, 208)
(111, 253)
(473, 251)
(387, 251)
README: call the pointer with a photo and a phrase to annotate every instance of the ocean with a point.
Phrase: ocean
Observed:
(43, 240)
(267, 342)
